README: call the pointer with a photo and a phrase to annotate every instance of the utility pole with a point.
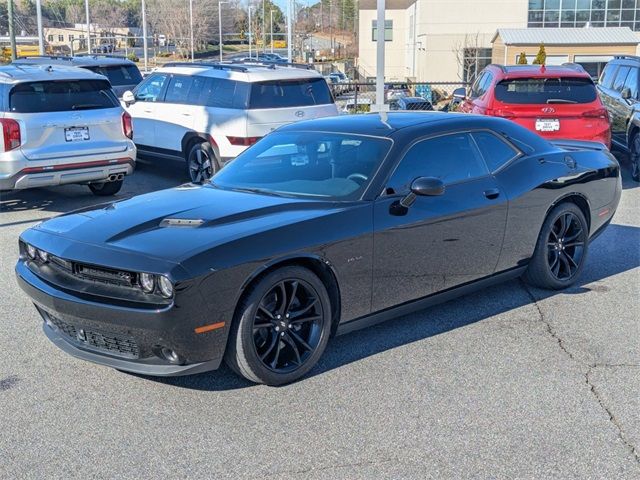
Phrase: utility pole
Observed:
(264, 30)
(289, 35)
(40, 32)
(250, 31)
(191, 28)
(220, 27)
(12, 34)
(380, 106)
(271, 13)
(144, 37)
(86, 11)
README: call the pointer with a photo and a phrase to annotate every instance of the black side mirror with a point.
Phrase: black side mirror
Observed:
(460, 93)
(625, 93)
(425, 187)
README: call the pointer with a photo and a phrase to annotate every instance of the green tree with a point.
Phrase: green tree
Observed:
(541, 57)
(522, 59)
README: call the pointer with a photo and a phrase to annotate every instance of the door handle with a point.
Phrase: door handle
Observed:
(492, 193)
(148, 111)
(186, 114)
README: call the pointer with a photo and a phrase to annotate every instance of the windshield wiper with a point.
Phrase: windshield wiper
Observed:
(560, 100)
(248, 190)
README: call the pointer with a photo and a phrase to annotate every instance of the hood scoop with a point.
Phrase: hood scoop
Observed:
(181, 222)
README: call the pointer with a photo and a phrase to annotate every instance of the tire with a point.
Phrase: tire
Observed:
(634, 157)
(202, 162)
(276, 339)
(106, 189)
(561, 250)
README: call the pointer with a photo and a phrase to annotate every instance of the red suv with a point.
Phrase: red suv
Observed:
(557, 102)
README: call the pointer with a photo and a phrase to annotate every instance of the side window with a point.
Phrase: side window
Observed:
(475, 88)
(199, 91)
(632, 82)
(150, 89)
(486, 83)
(618, 83)
(608, 74)
(178, 90)
(222, 93)
(495, 151)
(452, 158)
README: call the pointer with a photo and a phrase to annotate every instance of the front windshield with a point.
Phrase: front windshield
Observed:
(310, 164)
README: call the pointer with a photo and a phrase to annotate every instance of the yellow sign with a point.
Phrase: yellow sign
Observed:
(279, 44)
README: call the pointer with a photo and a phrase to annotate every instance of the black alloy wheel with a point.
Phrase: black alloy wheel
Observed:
(201, 162)
(281, 327)
(634, 157)
(565, 243)
(561, 249)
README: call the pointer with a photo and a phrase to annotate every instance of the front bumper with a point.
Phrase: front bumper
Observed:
(124, 337)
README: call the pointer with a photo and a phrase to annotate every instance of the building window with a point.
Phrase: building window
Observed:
(50, 38)
(82, 35)
(475, 59)
(579, 13)
(388, 30)
(71, 38)
(61, 38)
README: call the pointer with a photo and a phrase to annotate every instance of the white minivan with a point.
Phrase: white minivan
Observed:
(208, 113)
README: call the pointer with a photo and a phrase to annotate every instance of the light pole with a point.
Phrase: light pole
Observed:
(289, 36)
(250, 31)
(271, 12)
(86, 9)
(379, 105)
(12, 34)
(220, 27)
(264, 30)
(40, 32)
(144, 37)
(191, 28)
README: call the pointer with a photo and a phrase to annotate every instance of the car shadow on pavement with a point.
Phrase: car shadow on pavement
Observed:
(625, 169)
(443, 318)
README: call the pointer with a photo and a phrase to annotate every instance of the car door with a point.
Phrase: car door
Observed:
(619, 107)
(627, 105)
(175, 115)
(144, 110)
(439, 241)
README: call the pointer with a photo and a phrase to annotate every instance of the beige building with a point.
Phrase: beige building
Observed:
(451, 40)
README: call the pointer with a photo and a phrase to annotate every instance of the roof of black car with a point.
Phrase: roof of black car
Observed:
(77, 61)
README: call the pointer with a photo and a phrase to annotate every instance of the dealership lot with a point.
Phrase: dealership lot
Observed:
(510, 382)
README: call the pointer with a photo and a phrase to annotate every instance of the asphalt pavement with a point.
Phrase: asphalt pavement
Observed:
(511, 382)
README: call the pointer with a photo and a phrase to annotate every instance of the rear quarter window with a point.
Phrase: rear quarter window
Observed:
(546, 90)
(61, 96)
(119, 75)
(290, 93)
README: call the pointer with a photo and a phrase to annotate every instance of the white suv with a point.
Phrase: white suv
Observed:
(208, 113)
(62, 125)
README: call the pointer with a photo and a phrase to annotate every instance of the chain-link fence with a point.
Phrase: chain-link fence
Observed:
(358, 97)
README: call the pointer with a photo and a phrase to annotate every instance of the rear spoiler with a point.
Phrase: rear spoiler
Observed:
(574, 145)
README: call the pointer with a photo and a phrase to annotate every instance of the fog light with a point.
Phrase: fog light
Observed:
(147, 282)
(166, 287)
(44, 256)
(171, 356)
(31, 251)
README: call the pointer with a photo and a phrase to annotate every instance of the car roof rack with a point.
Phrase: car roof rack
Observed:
(630, 57)
(101, 55)
(50, 57)
(273, 65)
(214, 65)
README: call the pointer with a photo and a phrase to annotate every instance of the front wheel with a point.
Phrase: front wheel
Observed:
(106, 189)
(281, 328)
(561, 250)
(634, 157)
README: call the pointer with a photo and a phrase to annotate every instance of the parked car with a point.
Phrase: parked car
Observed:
(396, 90)
(619, 90)
(361, 105)
(208, 113)
(122, 73)
(554, 101)
(62, 125)
(410, 103)
(322, 227)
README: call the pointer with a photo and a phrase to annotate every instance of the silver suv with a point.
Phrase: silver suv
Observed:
(62, 125)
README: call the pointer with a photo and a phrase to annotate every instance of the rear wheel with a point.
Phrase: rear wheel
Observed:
(561, 249)
(106, 189)
(281, 327)
(202, 162)
(634, 157)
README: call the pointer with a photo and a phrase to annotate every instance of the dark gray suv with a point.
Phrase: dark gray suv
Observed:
(619, 88)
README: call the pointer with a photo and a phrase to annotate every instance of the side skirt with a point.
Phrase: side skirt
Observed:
(429, 301)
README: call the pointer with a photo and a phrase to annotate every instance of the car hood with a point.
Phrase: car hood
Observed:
(176, 223)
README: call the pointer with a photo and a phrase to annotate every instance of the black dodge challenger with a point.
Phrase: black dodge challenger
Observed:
(322, 227)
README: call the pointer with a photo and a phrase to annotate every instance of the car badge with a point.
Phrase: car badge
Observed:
(548, 110)
(300, 114)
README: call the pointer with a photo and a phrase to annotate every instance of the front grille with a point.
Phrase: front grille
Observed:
(95, 274)
(109, 343)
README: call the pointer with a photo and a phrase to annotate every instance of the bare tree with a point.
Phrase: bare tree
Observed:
(466, 54)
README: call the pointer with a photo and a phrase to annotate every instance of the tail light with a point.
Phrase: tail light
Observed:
(499, 112)
(10, 133)
(127, 125)
(243, 141)
(597, 113)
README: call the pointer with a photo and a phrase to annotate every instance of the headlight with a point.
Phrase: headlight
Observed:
(166, 287)
(147, 282)
(31, 251)
(44, 256)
